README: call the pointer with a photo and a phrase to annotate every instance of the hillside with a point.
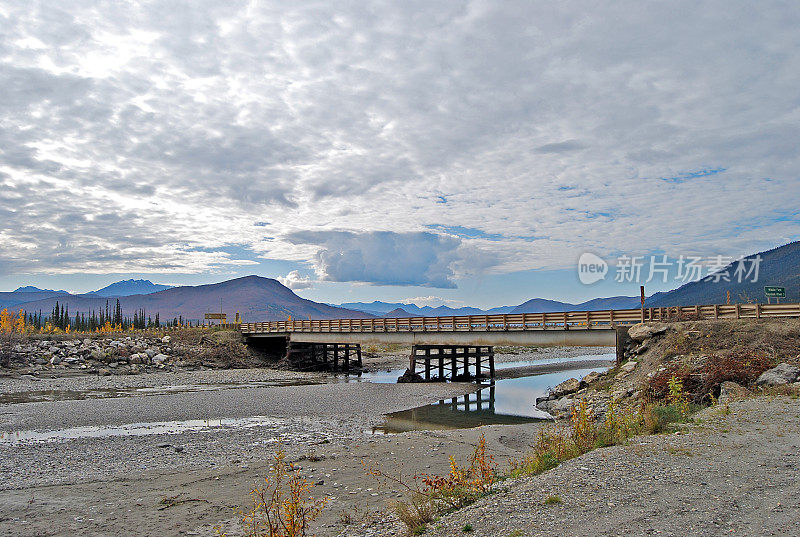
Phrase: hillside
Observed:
(254, 297)
(779, 266)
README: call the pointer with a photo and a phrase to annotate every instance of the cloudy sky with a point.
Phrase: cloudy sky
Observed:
(466, 152)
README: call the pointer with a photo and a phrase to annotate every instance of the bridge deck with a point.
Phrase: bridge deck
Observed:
(521, 322)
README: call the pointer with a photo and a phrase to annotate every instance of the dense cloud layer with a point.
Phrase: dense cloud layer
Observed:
(150, 138)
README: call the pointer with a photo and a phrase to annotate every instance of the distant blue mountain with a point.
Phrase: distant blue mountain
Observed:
(130, 287)
(32, 289)
(381, 309)
(541, 305)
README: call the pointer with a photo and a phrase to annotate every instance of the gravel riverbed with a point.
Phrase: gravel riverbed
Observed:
(208, 435)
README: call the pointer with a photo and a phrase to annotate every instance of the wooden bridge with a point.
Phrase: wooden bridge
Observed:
(572, 328)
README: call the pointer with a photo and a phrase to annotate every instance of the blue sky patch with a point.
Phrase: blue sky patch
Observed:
(688, 176)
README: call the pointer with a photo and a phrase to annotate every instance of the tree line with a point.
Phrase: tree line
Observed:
(111, 316)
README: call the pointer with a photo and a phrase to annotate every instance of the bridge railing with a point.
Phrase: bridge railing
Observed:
(526, 321)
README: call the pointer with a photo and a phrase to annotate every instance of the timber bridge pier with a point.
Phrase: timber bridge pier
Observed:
(461, 347)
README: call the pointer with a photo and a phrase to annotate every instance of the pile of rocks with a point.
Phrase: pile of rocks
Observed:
(104, 355)
(562, 398)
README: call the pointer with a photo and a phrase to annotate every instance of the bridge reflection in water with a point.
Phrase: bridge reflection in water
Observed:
(504, 402)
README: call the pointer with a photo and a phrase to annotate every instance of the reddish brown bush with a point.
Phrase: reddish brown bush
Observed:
(738, 365)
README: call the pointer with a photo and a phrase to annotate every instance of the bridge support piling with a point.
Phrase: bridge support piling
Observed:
(434, 359)
(306, 356)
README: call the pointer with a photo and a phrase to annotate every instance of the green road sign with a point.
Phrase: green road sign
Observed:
(775, 292)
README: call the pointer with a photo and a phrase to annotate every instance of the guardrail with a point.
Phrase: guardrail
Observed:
(526, 321)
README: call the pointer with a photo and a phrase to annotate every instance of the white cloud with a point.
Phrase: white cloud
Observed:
(549, 128)
(295, 280)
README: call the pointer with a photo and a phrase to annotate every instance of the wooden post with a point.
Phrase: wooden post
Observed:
(478, 362)
(441, 364)
(358, 353)
(335, 356)
(491, 367)
(412, 366)
(454, 364)
(347, 357)
(427, 363)
(641, 292)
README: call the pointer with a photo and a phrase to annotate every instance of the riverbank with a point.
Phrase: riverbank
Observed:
(734, 472)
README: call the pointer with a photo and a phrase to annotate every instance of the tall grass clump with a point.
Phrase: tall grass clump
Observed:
(430, 495)
(283, 506)
(555, 445)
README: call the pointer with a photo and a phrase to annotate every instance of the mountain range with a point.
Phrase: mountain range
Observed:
(263, 299)
(130, 287)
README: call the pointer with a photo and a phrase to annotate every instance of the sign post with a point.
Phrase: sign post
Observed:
(773, 291)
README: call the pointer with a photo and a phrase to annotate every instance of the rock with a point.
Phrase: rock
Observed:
(729, 390)
(55, 360)
(166, 339)
(641, 331)
(152, 351)
(591, 377)
(641, 348)
(159, 358)
(629, 366)
(568, 386)
(558, 408)
(103, 372)
(97, 354)
(408, 376)
(781, 374)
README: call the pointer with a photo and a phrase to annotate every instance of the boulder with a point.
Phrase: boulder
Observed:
(408, 376)
(781, 374)
(729, 390)
(641, 348)
(103, 372)
(166, 339)
(568, 386)
(159, 358)
(558, 408)
(629, 366)
(642, 331)
(151, 352)
(591, 377)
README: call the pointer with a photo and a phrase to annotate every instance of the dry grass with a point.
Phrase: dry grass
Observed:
(283, 506)
(429, 494)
